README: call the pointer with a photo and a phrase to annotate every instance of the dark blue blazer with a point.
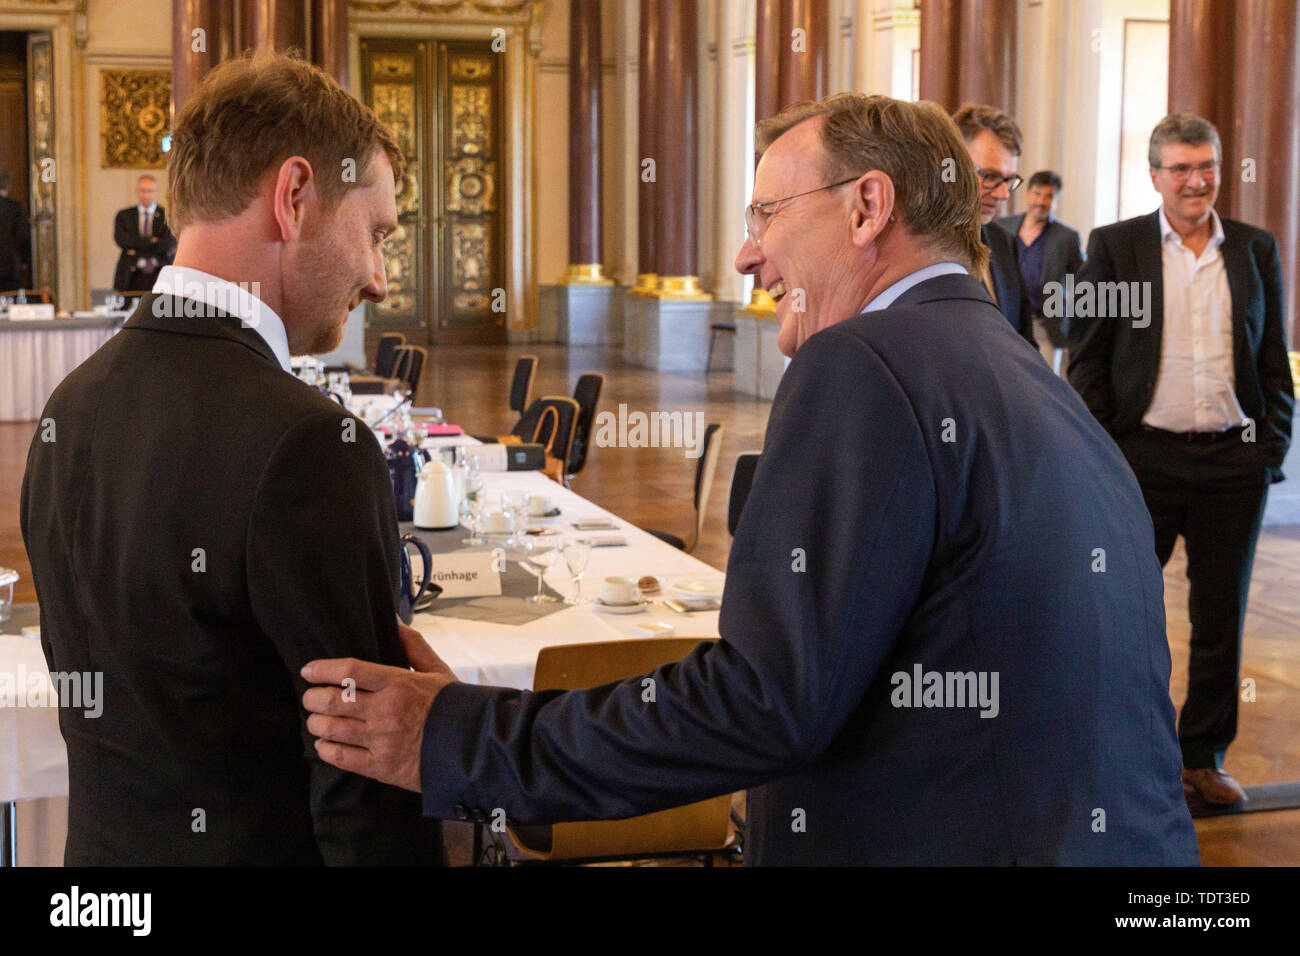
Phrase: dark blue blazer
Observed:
(929, 495)
(1008, 282)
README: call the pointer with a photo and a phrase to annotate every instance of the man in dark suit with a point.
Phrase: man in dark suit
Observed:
(1197, 391)
(942, 631)
(147, 245)
(1047, 251)
(205, 523)
(15, 238)
(993, 141)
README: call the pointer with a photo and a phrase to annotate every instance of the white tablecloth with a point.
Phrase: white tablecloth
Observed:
(504, 656)
(33, 760)
(36, 356)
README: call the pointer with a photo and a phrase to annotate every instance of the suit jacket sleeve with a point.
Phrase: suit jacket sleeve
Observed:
(1274, 366)
(126, 231)
(1026, 309)
(1092, 340)
(826, 566)
(322, 571)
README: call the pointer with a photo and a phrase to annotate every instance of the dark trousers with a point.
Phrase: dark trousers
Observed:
(1213, 495)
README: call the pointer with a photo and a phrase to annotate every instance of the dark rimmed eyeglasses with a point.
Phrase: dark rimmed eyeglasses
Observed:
(757, 216)
(991, 179)
(1181, 172)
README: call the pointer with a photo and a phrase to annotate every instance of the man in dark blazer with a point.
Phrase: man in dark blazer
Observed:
(1196, 389)
(200, 523)
(993, 140)
(1047, 250)
(147, 245)
(15, 238)
(942, 637)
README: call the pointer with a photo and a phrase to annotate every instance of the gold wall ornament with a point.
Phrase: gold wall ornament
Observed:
(471, 114)
(471, 185)
(134, 107)
(40, 100)
(470, 68)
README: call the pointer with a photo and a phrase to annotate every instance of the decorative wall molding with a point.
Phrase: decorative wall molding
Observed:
(134, 110)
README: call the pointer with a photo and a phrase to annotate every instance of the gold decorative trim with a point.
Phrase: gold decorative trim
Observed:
(760, 302)
(1295, 372)
(586, 274)
(134, 110)
(646, 283)
(681, 288)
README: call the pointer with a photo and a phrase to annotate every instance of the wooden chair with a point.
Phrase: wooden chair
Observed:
(409, 365)
(521, 384)
(698, 829)
(386, 354)
(554, 431)
(705, 466)
(587, 394)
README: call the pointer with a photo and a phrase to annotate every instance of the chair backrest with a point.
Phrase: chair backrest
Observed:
(386, 353)
(741, 480)
(587, 394)
(698, 826)
(705, 466)
(535, 426)
(521, 385)
(415, 356)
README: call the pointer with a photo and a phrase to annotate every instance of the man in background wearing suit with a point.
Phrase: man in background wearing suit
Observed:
(205, 523)
(885, 575)
(1197, 392)
(147, 245)
(993, 140)
(1047, 250)
(15, 239)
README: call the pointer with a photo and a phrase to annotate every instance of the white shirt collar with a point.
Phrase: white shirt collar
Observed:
(1166, 229)
(238, 301)
(147, 209)
(886, 298)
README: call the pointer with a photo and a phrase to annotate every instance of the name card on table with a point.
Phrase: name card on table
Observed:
(27, 313)
(466, 574)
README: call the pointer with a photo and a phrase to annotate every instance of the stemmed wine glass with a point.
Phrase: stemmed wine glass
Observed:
(474, 501)
(538, 556)
(515, 503)
(576, 553)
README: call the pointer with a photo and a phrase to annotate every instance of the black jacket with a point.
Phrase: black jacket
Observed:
(929, 494)
(1013, 297)
(1063, 253)
(126, 233)
(1113, 361)
(203, 525)
(15, 243)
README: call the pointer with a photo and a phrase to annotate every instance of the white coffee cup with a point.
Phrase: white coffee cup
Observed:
(539, 505)
(619, 590)
(498, 522)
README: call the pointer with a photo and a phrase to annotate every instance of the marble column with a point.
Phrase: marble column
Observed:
(968, 52)
(202, 36)
(585, 154)
(647, 147)
(273, 24)
(804, 54)
(329, 38)
(941, 44)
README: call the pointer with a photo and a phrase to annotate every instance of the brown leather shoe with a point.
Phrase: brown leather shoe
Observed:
(1214, 786)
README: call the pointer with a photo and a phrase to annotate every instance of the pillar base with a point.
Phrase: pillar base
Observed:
(760, 302)
(759, 363)
(671, 335)
(646, 282)
(681, 289)
(586, 274)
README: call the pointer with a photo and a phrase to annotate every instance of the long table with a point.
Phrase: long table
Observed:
(33, 761)
(36, 356)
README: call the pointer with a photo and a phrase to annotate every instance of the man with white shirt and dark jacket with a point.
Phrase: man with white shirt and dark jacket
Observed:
(206, 523)
(147, 244)
(1198, 394)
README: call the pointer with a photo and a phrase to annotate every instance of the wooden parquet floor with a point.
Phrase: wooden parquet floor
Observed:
(653, 487)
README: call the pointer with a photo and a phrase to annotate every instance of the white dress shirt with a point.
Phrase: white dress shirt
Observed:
(886, 298)
(145, 218)
(1196, 385)
(243, 304)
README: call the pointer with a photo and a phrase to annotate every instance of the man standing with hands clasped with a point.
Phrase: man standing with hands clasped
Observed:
(1198, 395)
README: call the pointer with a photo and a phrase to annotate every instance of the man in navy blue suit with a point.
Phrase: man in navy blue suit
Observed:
(942, 636)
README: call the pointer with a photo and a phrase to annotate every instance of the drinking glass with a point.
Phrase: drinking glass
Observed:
(473, 503)
(576, 553)
(515, 503)
(539, 555)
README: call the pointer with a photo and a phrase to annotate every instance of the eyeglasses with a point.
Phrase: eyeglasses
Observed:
(1181, 172)
(991, 179)
(757, 217)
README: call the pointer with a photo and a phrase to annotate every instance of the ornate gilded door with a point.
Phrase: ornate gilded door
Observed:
(443, 100)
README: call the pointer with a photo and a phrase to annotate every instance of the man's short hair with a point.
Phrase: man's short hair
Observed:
(142, 178)
(1186, 128)
(936, 191)
(972, 119)
(1045, 177)
(6, 179)
(248, 116)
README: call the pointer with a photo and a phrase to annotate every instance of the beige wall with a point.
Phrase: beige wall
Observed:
(122, 34)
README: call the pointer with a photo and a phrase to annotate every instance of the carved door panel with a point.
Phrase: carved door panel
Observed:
(443, 102)
(41, 171)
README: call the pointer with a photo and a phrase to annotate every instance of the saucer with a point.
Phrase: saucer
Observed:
(700, 589)
(635, 608)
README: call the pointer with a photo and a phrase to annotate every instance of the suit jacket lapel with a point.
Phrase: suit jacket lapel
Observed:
(1150, 268)
(1236, 263)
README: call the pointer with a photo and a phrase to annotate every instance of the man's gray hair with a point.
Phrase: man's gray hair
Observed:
(1186, 128)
